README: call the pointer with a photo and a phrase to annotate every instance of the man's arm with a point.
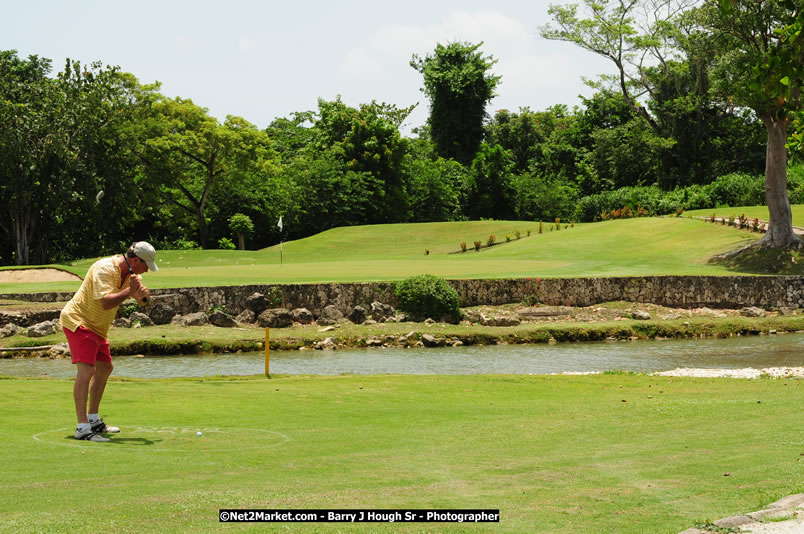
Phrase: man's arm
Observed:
(135, 290)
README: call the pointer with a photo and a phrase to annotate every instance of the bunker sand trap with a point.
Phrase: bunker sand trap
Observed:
(37, 275)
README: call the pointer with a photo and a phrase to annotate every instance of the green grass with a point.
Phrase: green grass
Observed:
(608, 453)
(752, 212)
(647, 246)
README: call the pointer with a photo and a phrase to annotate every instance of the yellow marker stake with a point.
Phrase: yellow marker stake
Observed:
(267, 352)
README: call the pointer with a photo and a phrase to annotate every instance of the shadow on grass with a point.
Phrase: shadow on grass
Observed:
(763, 261)
(124, 441)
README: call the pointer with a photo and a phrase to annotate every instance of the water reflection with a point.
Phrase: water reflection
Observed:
(641, 356)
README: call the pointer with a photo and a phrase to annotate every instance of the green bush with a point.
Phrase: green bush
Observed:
(737, 189)
(426, 296)
(225, 243)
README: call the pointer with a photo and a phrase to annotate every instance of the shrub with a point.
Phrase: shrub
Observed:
(127, 309)
(463, 246)
(178, 244)
(477, 246)
(225, 243)
(242, 227)
(491, 240)
(427, 295)
(737, 189)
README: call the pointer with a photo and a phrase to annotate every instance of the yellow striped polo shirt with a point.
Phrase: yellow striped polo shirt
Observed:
(85, 309)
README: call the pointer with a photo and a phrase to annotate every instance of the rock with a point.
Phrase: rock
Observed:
(499, 321)
(640, 315)
(122, 322)
(59, 350)
(224, 320)
(473, 316)
(141, 318)
(46, 328)
(671, 316)
(10, 330)
(327, 329)
(161, 313)
(323, 321)
(785, 311)
(429, 322)
(543, 311)
(327, 344)
(432, 341)
(178, 320)
(332, 313)
(246, 317)
(357, 315)
(275, 318)
(196, 319)
(374, 342)
(257, 302)
(380, 311)
(752, 311)
(302, 315)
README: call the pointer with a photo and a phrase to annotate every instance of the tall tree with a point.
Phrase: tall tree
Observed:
(189, 153)
(634, 35)
(458, 82)
(367, 142)
(754, 50)
(56, 151)
(663, 74)
(31, 145)
(759, 46)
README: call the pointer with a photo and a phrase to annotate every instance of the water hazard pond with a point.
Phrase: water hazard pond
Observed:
(756, 352)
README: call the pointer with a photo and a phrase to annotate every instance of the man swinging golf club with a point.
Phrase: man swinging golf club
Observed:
(86, 320)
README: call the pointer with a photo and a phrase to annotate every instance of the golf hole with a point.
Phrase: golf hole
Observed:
(170, 439)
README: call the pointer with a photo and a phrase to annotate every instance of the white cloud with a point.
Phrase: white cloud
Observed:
(536, 72)
(493, 28)
(250, 45)
(183, 42)
(360, 63)
(394, 44)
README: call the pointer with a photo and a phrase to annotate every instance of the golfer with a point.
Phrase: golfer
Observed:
(86, 320)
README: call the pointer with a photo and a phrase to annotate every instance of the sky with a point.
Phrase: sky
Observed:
(267, 59)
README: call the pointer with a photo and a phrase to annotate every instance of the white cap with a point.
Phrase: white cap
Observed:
(146, 253)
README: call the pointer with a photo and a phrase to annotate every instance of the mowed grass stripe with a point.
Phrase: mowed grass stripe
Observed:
(633, 247)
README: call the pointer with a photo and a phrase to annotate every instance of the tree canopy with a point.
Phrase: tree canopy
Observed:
(458, 82)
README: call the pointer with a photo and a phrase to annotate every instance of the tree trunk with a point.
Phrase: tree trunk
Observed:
(22, 227)
(780, 226)
(202, 225)
(241, 241)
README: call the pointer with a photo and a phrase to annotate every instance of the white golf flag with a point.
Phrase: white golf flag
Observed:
(279, 224)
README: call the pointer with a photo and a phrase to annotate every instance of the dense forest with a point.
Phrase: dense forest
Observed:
(91, 159)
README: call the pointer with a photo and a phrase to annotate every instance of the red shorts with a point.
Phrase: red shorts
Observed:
(87, 347)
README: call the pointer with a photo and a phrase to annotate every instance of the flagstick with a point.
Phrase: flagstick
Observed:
(281, 227)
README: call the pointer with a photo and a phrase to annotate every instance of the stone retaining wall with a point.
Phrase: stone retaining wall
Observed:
(673, 291)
